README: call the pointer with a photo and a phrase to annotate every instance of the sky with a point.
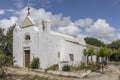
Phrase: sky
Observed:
(79, 18)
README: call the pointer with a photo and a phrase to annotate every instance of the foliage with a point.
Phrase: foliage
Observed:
(40, 78)
(92, 66)
(85, 52)
(115, 45)
(66, 68)
(9, 40)
(116, 55)
(94, 42)
(4, 62)
(53, 67)
(6, 41)
(2, 41)
(89, 52)
(105, 52)
(79, 67)
(35, 64)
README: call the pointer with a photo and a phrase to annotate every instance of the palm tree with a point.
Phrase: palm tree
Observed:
(107, 53)
(91, 52)
(104, 53)
(85, 52)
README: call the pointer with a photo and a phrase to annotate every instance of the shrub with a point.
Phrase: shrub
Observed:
(53, 67)
(92, 66)
(4, 62)
(81, 66)
(66, 68)
(35, 64)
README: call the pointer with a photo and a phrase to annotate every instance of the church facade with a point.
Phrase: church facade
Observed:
(31, 40)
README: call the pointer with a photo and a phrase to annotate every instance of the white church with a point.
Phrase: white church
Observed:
(31, 40)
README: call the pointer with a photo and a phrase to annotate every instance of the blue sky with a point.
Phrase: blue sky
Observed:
(106, 9)
(106, 12)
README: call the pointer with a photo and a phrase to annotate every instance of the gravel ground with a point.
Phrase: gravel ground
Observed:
(110, 73)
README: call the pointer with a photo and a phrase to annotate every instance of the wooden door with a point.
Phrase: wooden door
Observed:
(27, 58)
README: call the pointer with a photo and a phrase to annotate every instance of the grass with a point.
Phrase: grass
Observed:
(24, 77)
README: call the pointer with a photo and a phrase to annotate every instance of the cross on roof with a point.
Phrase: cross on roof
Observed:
(28, 11)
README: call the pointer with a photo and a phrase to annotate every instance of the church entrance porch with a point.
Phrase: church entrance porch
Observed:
(27, 58)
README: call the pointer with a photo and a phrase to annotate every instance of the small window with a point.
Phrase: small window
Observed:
(58, 54)
(43, 25)
(27, 37)
(71, 57)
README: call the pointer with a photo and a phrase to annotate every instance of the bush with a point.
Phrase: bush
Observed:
(79, 67)
(35, 64)
(92, 66)
(53, 67)
(4, 62)
(66, 68)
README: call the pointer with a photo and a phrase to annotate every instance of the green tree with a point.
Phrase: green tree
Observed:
(115, 45)
(9, 41)
(89, 52)
(2, 40)
(6, 41)
(107, 54)
(104, 53)
(85, 52)
(4, 62)
(94, 42)
(115, 55)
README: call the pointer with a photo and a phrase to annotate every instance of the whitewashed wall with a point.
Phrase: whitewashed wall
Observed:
(46, 45)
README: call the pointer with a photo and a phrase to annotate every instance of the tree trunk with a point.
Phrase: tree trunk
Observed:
(102, 64)
(87, 60)
(91, 59)
(106, 59)
(97, 60)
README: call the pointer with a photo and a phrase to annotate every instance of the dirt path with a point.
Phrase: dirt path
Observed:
(111, 73)
(41, 74)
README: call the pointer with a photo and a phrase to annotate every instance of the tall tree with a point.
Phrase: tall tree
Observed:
(2, 40)
(6, 40)
(9, 40)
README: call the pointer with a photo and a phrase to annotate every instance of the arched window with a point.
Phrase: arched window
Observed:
(27, 37)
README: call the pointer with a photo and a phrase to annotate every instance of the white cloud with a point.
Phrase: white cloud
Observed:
(70, 30)
(58, 22)
(84, 22)
(5, 23)
(102, 30)
(2, 12)
(99, 29)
